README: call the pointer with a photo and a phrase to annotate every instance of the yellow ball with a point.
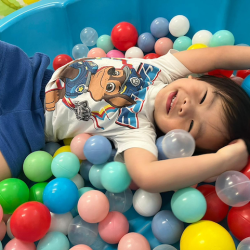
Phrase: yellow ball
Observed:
(197, 46)
(62, 150)
(206, 235)
(30, 1)
(67, 141)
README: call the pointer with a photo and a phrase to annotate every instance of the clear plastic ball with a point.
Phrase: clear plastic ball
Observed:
(233, 188)
(89, 36)
(120, 202)
(178, 143)
(179, 26)
(81, 232)
(244, 245)
(202, 36)
(165, 247)
(79, 51)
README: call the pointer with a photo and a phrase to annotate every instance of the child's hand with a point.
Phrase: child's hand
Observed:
(235, 155)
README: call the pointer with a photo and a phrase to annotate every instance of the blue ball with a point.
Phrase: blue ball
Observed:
(166, 227)
(159, 27)
(51, 147)
(146, 42)
(97, 149)
(112, 156)
(84, 169)
(161, 155)
(246, 85)
(60, 195)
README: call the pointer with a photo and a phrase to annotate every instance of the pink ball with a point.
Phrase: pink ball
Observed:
(133, 241)
(113, 227)
(93, 206)
(133, 186)
(16, 244)
(1, 213)
(3, 230)
(163, 45)
(97, 52)
(77, 144)
(81, 247)
(115, 53)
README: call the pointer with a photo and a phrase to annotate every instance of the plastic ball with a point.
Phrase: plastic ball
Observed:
(65, 165)
(83, 190)
(61, 60)
(51, 147)
(13, 193)
(60, 222)
(80, 51)
(113, 154)
(3, 230)
(115, 177)
(202, 37)
(216, 209)
(233, 188)
(81, 232)
(182, 43)
(36, 192)
(238, 221)
(161, 154)
(113, 227)
(146, 42)
(97, 52)
(55, 241)
(60, 195)
(30, 221)
(179, 26)
(78, 180)
(166, 227)
(93, 206)
(95, 176)
(16, 244)
(77, 144)
(124, 36)
(163, 45)
(178, 143)
(84, 169)
(115, 54)
(221, 72)
(134, 52)
(1, 213)
(9, 233)
(145, 203)
(89, 36)
(37, 166)
(246, 85)
(197, 46)
(133, 241)
(221, 38)
(81, 247)
(206, 235)
(159, 27)
(104, 42)
(120, 202)
(188, 205)
(62, 150)
(244, 245)
(151, 56)
(165, 247)
(97, 149)
(243, 73)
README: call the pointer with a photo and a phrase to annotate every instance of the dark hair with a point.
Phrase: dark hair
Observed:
(236, 106)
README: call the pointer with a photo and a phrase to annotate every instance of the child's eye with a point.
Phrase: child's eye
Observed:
(191, 125)
(204, 97)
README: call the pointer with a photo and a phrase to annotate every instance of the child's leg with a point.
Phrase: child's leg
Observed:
(4, 168)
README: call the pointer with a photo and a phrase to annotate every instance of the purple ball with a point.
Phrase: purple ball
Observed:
(146, 42)
(159, 27)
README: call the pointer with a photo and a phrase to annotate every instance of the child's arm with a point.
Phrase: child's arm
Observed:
(223, 57)
(161, 176)
(4, 168)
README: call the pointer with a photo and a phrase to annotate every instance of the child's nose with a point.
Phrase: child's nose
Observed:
(185, 107)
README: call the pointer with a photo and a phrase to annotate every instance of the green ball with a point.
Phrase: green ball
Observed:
(104, 42)
(182, 43)
(115, 177)
(84, 190)
(221, 38)
(36, 192)
(37, 166)
(5, 10)
(13, 193)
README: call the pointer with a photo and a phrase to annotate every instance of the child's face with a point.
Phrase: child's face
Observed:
(196, 109)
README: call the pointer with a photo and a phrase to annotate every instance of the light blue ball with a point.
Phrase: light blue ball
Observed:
(221, 38)
(65, 165)
(166, 227)
(246, 85)
(1, 246)
(182, 43)
(97, 149)
(188, 205)
(53, 241)
(60, 195)
(115, 177)
(95, 176)
(80, 51)
(161, 155)
(51, 147)
(84, 169)
(159, 27)
(165, 247)
(89, 36)
(112, 156)
(104, 42)
(146, 42)
(84, 190)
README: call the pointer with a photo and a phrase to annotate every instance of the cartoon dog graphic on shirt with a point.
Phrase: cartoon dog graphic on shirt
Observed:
(115, 86)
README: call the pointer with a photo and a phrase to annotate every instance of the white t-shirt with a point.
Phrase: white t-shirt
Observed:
(111, 97)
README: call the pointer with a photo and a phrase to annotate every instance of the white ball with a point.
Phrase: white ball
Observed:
(78, 180)
(9, 230)
(60, 222)
(179, 26)
(244, 244)
(147, 204)
(134, 52)
(202, 37)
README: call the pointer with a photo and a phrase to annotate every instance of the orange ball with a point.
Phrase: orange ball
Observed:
(97, 52)
(163, 45)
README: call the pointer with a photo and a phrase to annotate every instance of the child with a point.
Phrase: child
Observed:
(123, 99)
